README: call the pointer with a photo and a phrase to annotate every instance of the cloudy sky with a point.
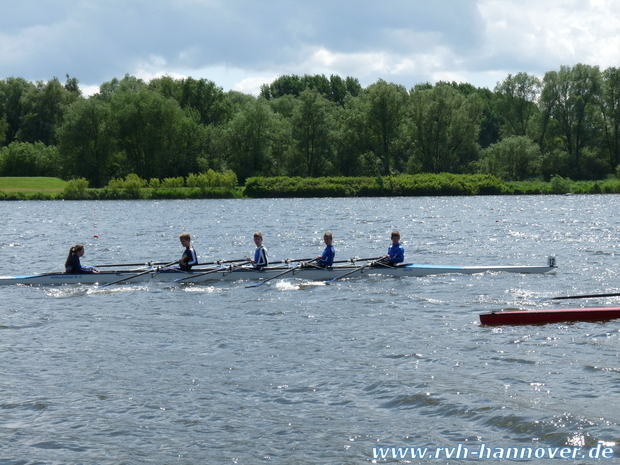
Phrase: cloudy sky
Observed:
(241, 44)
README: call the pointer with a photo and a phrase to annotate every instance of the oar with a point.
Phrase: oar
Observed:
(582, 296)
(283, 273)
(129, 264)
(357, 259)
(210, 271)
(136, 275)
(359, 268)
(163, 263)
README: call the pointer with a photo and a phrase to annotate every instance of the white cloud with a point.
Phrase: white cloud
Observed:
(550, 33)
(241, 44)
(252, 85)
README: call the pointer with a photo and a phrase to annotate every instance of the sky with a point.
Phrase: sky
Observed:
(242, 44)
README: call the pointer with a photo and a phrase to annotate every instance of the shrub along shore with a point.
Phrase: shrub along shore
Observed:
(221, 186)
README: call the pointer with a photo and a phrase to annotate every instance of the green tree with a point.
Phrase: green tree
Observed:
(207, 99)
(515, 158)
(130, 84)
(250, 135)
(288, 84)
(384, 114)
(350, 158)
(72, 86)
(444, 129)
(311, 123)
(11, 92)
(155, 135)
(490, 122)
(86, 141)
(610, 115)
(26, 159)
(43, 111)
(333, 89)
(569, 101)
(340, 88)
(4, 129)
(516, 99)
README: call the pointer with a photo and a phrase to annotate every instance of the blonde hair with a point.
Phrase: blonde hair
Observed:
(185, 236)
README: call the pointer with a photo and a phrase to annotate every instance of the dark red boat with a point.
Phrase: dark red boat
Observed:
(539, 317)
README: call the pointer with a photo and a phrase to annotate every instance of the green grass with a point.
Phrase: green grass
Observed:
(25, 184)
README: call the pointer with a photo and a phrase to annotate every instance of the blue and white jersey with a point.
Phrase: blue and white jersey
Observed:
(260, 257)
(188, 259)
(396, 253)
(327, 258)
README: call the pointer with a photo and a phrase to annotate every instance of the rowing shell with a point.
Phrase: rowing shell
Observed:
(241, 273)
(538, 317)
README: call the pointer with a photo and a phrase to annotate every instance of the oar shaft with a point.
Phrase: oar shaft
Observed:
(167, 264)
(359, 268)
(218, 262)
(128, 278)
(219, 268)
(130, 264)
(585, 296)
(283, 273)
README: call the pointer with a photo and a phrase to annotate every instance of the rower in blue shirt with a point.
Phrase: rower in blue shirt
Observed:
(327, 258)
(396, 252)
(260, 254)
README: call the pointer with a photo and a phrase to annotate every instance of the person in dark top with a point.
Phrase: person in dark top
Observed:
(260, 259)
(189, 257)
(327, 258)
(73, 265)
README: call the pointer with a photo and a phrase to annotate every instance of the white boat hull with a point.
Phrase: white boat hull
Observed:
(240, 273)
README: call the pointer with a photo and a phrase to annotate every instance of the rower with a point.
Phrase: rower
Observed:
(396, 252)
(189, 257)
(73, 265)
(327, 258)
(260, 259)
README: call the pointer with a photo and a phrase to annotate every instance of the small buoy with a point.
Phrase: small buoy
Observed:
(96, 235)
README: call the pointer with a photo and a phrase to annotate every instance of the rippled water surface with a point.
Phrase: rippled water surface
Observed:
(298, 372)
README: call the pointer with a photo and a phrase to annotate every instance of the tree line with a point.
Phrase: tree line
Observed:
(565, 124)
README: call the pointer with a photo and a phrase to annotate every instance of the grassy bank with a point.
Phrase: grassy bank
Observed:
(32, 185)
(133, 187)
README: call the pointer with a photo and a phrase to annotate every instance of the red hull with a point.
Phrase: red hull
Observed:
(538, 317)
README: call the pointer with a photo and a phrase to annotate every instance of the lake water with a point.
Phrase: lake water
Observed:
(295, 372)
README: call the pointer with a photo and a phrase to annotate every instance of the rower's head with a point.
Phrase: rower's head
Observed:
(395, 237)
(258, 239)
(185, 239)
(327, 237)
(77, 249)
